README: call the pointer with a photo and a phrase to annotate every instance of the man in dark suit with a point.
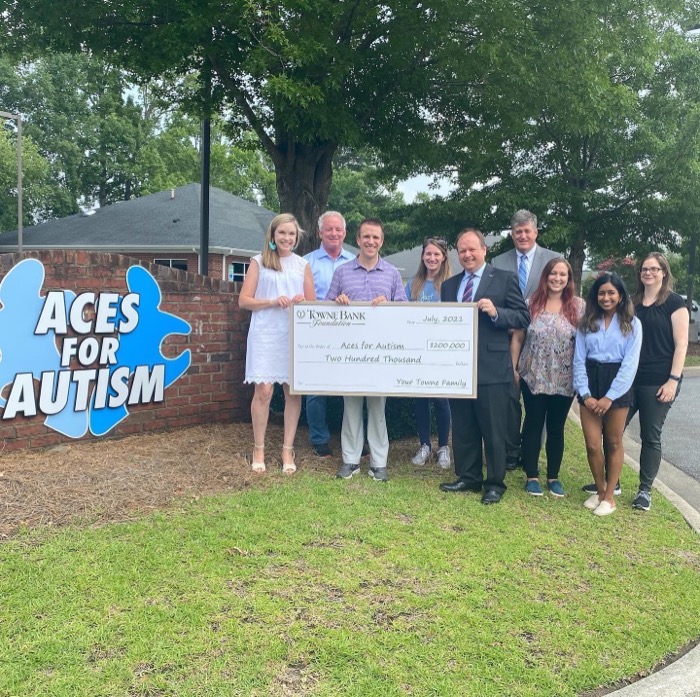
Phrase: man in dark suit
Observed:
(500, 307)
(527, 260)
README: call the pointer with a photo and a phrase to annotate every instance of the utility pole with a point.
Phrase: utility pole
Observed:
(204, 185)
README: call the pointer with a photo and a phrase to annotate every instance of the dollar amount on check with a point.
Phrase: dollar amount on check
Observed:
(393, 349)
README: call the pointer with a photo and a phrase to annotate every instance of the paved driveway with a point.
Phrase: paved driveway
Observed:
(681, 441)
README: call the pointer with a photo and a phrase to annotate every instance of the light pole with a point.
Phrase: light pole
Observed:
(18, 119)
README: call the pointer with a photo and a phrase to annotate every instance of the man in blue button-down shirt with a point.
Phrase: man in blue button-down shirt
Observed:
(323, 262)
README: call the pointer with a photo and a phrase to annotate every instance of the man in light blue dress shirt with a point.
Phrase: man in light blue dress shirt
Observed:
(323, 262)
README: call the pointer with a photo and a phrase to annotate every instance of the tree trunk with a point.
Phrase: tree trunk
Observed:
(578, 256)
(304, 174)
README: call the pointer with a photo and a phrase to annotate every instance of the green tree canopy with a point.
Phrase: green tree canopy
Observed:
(37, 187)
(589, 109)
(102, 139)
(307, 76)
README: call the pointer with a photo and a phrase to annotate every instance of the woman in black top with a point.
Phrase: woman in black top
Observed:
(664, 319)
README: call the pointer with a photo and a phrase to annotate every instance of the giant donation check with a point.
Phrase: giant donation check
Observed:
(395, 349)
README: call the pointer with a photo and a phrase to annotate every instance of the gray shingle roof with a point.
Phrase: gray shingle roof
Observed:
(154, 222)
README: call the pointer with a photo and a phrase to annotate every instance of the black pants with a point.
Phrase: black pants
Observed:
(652, 415)
(477, 421)
(551, 409)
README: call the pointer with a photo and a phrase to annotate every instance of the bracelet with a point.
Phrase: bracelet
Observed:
(677, 378)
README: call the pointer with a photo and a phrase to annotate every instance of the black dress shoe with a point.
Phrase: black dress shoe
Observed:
(490, 496)
(459, 485)
(512, 464)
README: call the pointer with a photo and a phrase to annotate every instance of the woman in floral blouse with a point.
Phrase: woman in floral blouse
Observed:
(543, 362)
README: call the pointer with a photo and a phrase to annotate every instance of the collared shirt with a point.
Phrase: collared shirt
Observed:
(530, 254)
(359, 284)
(323, 266)
(475, 284)
(608, 346)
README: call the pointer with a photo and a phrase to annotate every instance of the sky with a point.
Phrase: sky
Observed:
(421, 184)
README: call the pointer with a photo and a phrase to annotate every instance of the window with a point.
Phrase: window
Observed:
(172, 263)
(237, 271)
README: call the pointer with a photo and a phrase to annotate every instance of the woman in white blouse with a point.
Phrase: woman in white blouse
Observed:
(608, 342)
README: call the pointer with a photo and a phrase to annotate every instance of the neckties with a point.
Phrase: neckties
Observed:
(467, 295)
(522, 273)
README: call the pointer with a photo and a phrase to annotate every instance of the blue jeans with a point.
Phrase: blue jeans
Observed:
(316, 418)
(442, 416)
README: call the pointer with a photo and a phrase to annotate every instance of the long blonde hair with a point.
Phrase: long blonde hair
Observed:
(271, 257)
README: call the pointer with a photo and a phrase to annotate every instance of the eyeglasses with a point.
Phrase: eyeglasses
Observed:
(650, 269)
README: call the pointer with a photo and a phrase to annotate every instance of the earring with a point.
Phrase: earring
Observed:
(272, 246)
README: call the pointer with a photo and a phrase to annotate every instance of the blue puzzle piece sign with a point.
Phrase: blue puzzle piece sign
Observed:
(82, 360)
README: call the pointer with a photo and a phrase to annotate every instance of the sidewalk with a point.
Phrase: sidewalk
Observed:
(682, 677)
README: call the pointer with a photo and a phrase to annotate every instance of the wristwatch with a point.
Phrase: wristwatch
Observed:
(584, 397)
(677, 378)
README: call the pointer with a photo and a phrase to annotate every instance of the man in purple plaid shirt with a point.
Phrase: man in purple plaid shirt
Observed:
(368, 278)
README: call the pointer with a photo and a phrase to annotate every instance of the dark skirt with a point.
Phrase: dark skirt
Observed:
(600, 377)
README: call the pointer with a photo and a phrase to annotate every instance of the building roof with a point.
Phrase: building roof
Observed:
(168, 220)
(407, 261)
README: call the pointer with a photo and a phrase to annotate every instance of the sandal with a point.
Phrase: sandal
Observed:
(289, 467)
(258, 467)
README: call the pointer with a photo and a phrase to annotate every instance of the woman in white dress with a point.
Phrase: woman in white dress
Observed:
(276, 279)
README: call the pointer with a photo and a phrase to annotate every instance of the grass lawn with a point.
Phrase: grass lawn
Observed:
(316, 586)
(692, 361)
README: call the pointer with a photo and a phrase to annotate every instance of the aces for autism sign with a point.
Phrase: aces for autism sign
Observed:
(82, 359)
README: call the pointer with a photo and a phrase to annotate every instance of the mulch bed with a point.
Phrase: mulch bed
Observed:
(115, 480)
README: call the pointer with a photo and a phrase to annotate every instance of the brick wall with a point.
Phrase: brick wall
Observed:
(211, 391)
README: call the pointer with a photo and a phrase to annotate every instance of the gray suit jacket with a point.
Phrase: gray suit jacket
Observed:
(509, 262)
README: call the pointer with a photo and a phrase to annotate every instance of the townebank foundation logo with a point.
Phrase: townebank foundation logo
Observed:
(82, 360)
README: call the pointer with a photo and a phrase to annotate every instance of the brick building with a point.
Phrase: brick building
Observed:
(162, 228)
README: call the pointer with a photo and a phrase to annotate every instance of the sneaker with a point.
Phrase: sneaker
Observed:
(643, 500)
(443, 457)
(590, 489)
(604, 508)
(321, 449)
(555, 488)
(379, 474)
(422, 456)
(532, 486)
(346, 471)
(592, 502)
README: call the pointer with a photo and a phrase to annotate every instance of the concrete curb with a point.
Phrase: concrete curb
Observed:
(682, 677)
